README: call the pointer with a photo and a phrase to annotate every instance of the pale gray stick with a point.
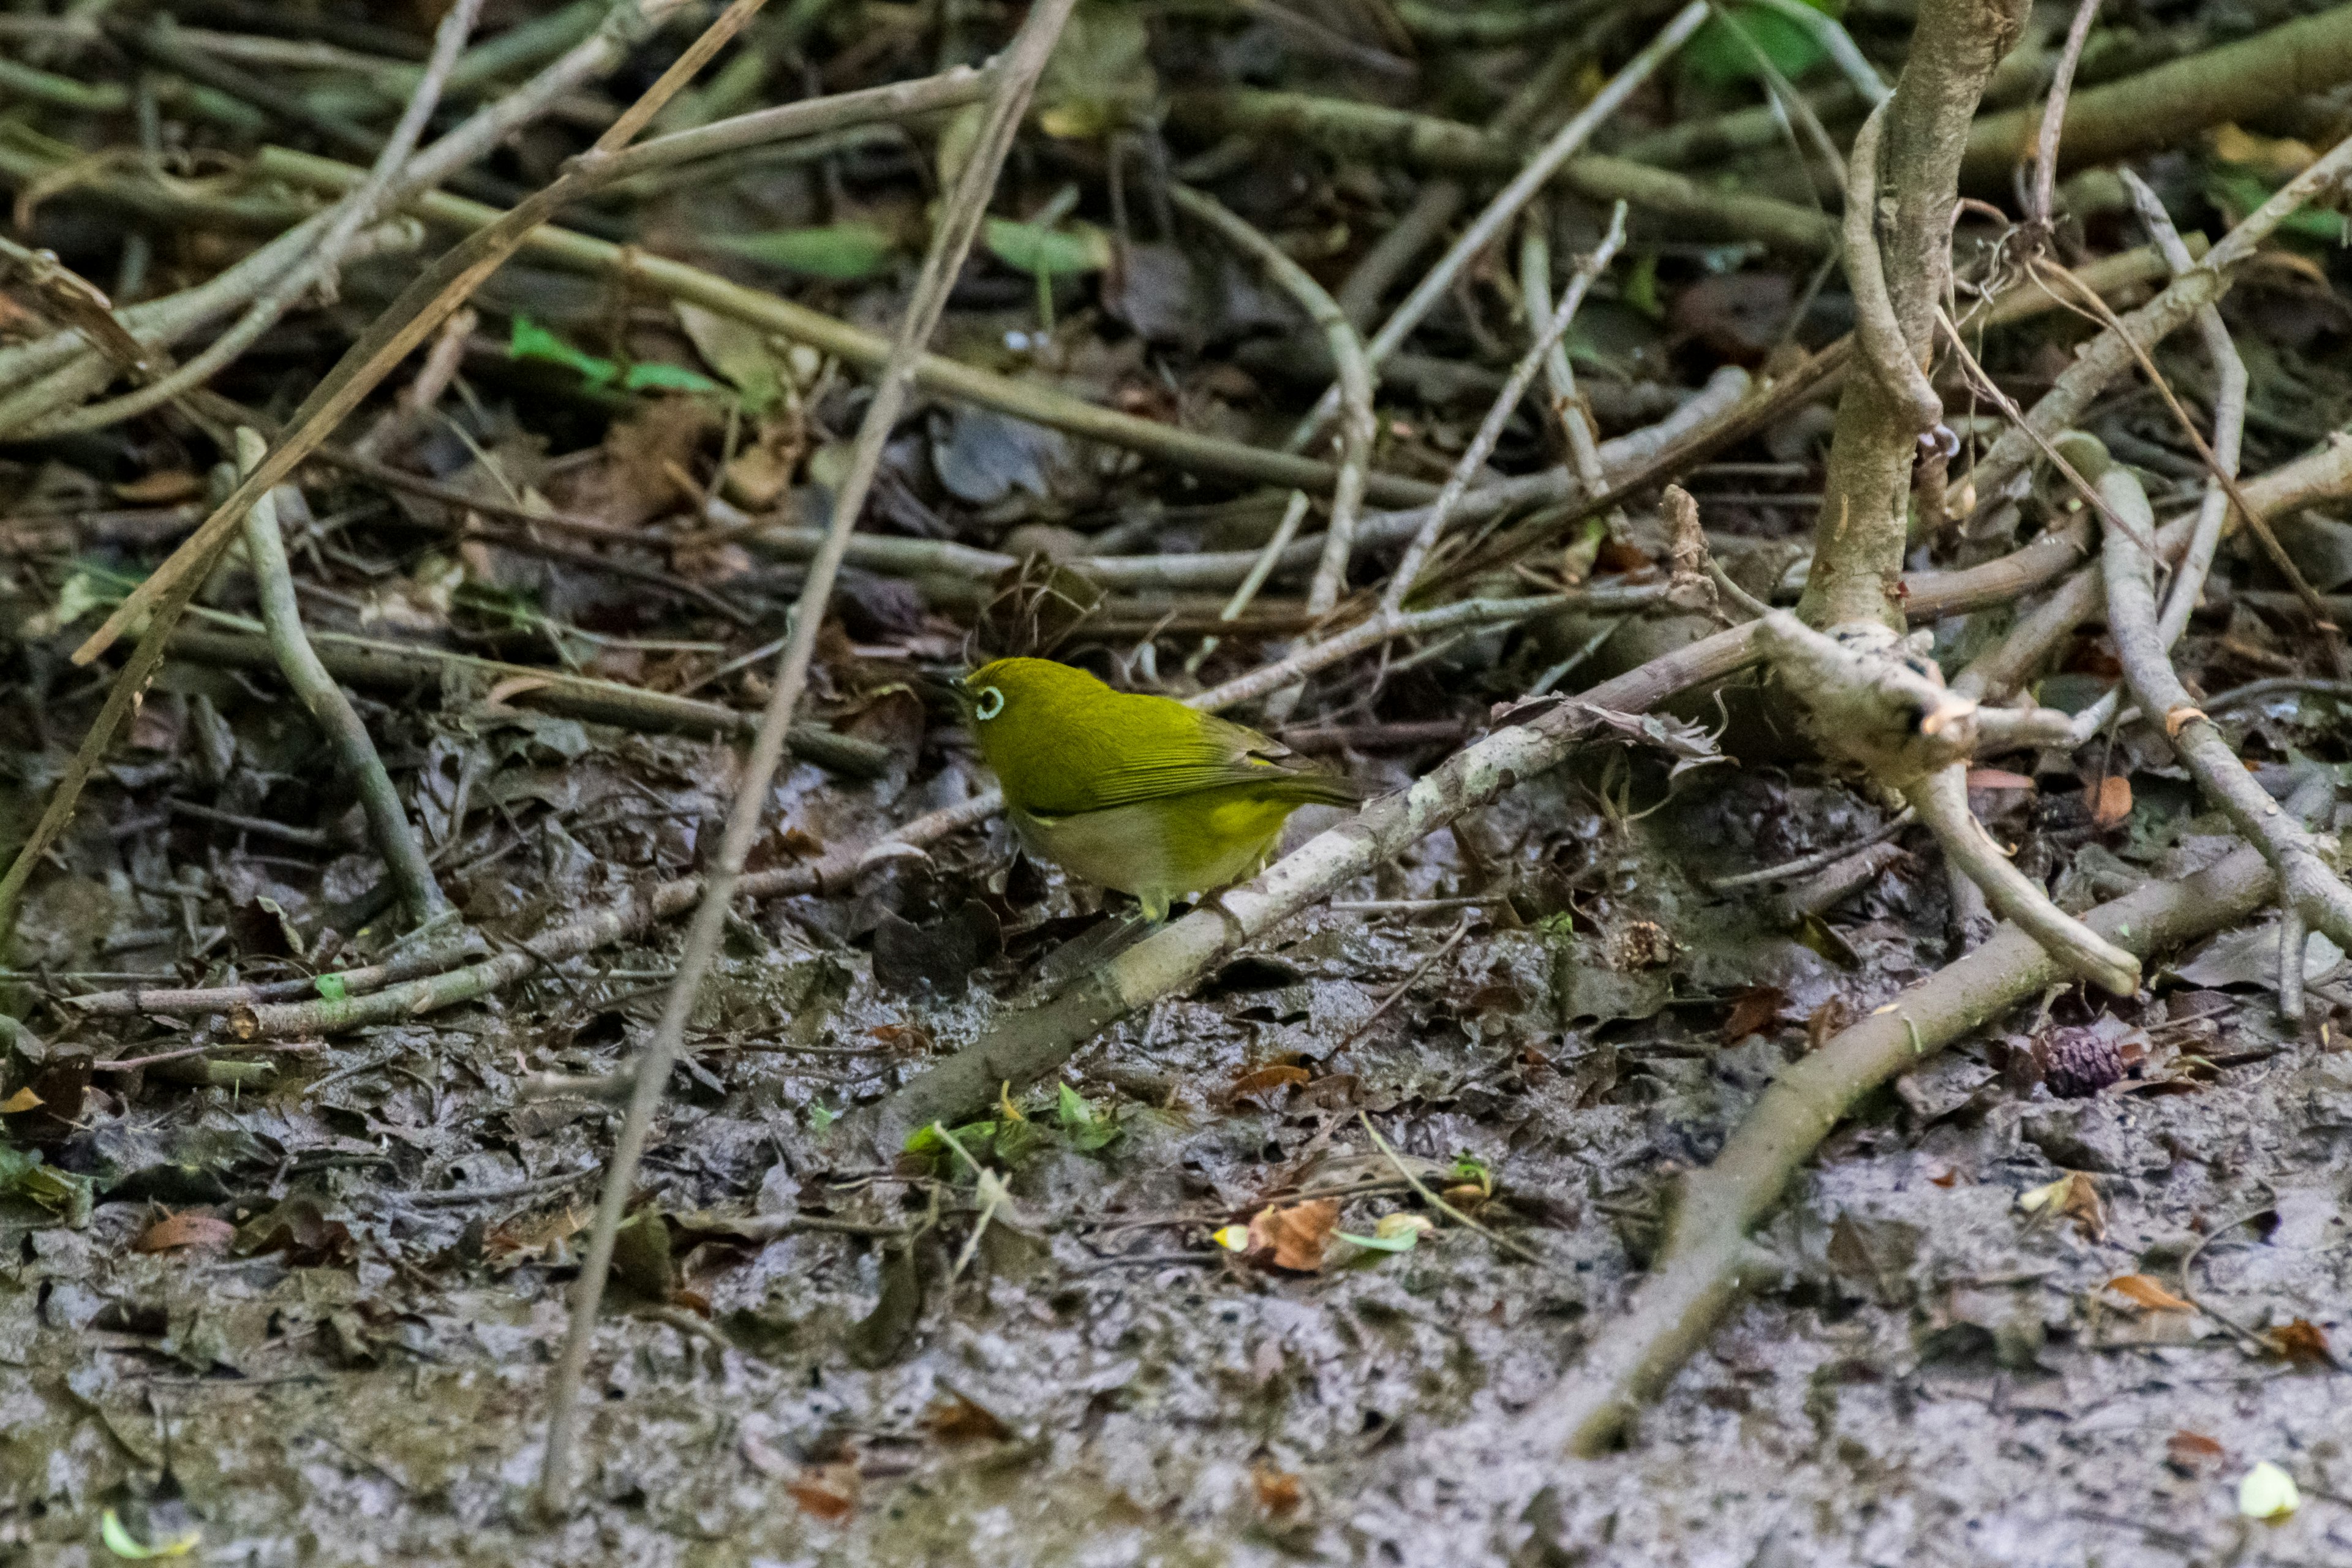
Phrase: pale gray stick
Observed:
(1490, 431)
(1014, 77)
(1496, 219)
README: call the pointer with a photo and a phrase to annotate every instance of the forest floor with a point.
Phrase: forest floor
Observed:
(1273, 1268)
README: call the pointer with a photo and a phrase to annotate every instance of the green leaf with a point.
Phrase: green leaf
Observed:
(821, 1118)
(1718, 56)
(2238, 193)
(24, 1176)
(1403, 1242)
(1395, 1232)
(1086, 1128)
(1640, 290)
(843, 252)
(332, 987)
(528, 340)
(1026, 248)
(738, 351)
(668, 378)
(119, 1540)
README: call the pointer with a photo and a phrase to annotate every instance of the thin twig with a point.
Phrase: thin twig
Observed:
(2053, 120)
(1357, 382)
(1524, 1254)
(1941, 800)
(1804, 865)
(1494, 221)
(2308, 884)
(2188, 584)
(464, 1197)
(355, 754)
(2097, 363)
(352, 213)
(1436, 956)
(1356, 427)
(2225, 475)
(229, 1047)
(1012, 79)
(1498, 414)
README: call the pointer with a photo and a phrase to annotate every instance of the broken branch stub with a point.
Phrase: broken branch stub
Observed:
(1871, 700)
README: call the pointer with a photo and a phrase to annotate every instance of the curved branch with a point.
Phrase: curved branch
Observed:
(1941, 800)
(2308, 884)
(1708, 1262)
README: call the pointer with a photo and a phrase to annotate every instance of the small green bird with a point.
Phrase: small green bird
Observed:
(1132, 792)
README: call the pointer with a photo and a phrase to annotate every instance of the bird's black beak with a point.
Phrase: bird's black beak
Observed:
(944, 690)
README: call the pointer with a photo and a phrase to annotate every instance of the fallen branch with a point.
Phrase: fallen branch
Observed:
(2308, 886)
(1708, 1262)
(404, 667)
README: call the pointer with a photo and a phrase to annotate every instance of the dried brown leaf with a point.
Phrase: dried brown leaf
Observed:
(188, 1228)
(1294, 1237)
(953, 1418)
(1752, 1011)
(2301, 1343)
(828, 1492)
(2192, 1451)
(2110, 800)
(1266, 1080)
(2144, 1290)
(1278, 1491)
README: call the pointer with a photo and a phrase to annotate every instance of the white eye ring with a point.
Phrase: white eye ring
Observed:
(987, 703)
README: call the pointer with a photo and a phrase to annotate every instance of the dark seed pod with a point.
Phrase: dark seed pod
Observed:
(2078, 1063)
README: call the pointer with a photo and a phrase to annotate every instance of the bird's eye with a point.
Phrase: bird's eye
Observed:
(987, 703)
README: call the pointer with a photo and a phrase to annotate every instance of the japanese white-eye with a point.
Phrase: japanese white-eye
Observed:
(1129, 790)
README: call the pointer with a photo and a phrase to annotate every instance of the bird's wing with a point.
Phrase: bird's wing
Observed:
(1201, 755)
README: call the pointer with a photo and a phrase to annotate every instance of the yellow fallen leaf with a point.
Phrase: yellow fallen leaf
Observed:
(2282, 157)
(2268, 1492)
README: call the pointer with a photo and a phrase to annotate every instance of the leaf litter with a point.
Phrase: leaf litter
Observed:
(327, 1292)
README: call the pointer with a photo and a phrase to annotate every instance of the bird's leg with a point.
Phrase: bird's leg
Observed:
(1239, 933)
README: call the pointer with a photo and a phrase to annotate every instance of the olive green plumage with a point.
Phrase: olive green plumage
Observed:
(1129, 790)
